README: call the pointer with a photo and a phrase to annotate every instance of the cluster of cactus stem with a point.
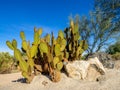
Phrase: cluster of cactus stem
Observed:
(53, 54)
(25, 66)
(45, 55)
(75, 46)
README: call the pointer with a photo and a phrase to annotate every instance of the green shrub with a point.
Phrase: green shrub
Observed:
(6, 62)
(114, 48)
(116, 56)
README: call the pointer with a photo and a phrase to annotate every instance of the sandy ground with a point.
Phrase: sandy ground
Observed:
(110, 81)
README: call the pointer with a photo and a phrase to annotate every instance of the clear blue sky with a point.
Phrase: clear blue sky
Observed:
(51, 15)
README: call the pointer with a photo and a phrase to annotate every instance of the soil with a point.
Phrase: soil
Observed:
(109, 81)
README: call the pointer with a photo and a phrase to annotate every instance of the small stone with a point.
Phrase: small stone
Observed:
(44, 83)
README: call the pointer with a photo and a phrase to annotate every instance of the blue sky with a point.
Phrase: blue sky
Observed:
(23, 15)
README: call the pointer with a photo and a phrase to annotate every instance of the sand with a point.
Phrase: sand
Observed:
(109, 81)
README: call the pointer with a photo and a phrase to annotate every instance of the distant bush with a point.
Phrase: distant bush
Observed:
(113, 49)
(6, 62)
(116, 56)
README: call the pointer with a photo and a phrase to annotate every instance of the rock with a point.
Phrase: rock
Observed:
(84, 69)
(44, 83)
(101, 78)
(92, 74)
(98, 64)
(77, 69)
(104, 58)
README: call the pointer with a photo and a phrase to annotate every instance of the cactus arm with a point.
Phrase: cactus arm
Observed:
(8, 43)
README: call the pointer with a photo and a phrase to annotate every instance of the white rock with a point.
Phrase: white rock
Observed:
(84, 70)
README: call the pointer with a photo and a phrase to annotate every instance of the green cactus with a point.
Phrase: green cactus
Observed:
(43, 47)
(57, 49)
(25, 74)
(58, 40)
(14, 43)
(33, 51)
(17, 54)
(47, 38)
(22, 35)
(36, 37)
(8, 43)
(55, 61)
(63, 45)
(76, 28)
(24, 45)
(75, 47)
(61, 34)
(66, 54)
(72, 24)
(28, 65)
(85, 46)
(53, 51)
(47, 53)
(76, 36)
(24, 66)
(42, 51)
(59, 65)
(50, 57)
(40, 31)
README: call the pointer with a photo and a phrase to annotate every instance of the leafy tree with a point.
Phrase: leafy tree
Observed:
(110, 10)
(102, 25)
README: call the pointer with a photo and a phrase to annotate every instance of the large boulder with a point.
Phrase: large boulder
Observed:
(86, 70)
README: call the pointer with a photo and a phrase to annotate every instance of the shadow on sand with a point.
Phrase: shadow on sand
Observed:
(21, 80)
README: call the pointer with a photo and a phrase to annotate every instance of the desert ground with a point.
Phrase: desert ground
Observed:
(109, 81)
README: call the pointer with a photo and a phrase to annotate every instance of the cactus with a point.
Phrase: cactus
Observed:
(61, 34)
(47, 53)
(59, 65)
(75, 47)
(24, 66)
(8, 43)
(31, 51)
(63, 45)
(22, 35)
(53, 53)
(57, 49)
(24, 45)
(36, 37)
(14, 43)
(40, 31)
(43, 47)
(55, 61)
(47, 38)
